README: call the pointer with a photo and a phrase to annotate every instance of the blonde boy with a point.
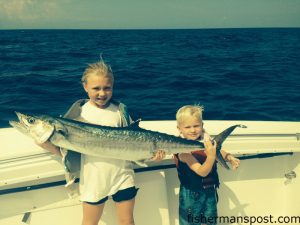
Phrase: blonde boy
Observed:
(197, 171)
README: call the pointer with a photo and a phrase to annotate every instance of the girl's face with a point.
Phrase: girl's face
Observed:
(190, 128)
(99, 89)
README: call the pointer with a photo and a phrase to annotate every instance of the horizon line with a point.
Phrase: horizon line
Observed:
(207, 28)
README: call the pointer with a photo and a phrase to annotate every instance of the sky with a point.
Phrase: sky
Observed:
(147, 14)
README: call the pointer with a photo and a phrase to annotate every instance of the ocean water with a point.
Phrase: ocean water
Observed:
(237, 74)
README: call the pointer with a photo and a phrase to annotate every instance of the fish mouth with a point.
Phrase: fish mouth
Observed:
(20, 125)
(20, 117)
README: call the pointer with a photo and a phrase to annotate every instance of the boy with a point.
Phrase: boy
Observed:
(197, 171)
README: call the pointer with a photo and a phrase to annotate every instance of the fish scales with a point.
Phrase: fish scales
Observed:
(129, 143)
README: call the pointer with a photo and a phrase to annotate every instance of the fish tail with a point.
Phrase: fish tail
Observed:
(220, 138)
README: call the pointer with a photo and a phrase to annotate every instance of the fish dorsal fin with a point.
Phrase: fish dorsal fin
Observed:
(135, 124)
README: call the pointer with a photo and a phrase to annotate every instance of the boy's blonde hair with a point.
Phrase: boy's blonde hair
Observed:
(99, 68)
(188, 111)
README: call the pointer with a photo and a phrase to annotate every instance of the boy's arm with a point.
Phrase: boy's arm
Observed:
(235, 162)
(201, 169)
(50, 147)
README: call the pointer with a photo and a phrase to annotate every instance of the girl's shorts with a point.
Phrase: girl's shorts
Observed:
(121, 195)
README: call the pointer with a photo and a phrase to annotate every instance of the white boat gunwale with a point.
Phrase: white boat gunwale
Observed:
(168, 164)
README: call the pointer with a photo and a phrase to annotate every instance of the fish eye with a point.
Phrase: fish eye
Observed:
(31, 120)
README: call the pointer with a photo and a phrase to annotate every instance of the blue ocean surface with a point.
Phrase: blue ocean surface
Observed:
(237, 74)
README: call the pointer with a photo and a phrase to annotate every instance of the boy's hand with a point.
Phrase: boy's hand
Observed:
(159, 155)
(210, 149)
(235, 162)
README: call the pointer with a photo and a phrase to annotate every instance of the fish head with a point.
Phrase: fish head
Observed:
(40, 128)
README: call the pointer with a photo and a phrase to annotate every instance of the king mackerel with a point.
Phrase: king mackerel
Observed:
(129, 143)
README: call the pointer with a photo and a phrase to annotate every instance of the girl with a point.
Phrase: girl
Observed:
(102, 177)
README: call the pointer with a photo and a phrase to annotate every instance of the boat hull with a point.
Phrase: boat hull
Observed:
(266, 184)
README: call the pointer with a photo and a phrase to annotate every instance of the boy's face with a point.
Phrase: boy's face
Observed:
(190, 128)
(99, 90)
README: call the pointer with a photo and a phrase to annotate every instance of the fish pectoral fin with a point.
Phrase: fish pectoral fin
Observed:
(141, 163)
(63, 131)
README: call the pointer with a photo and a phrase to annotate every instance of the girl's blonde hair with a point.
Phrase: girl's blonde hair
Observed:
(188, 111)
(99, 68)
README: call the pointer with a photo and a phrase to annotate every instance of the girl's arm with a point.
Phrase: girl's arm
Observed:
(50, 147)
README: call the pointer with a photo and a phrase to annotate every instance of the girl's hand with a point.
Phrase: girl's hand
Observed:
(159, 155)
